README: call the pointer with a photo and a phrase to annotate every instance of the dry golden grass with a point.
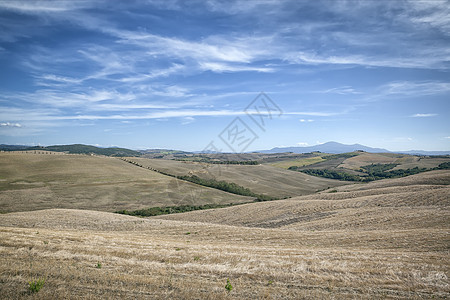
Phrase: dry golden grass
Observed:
(414, 202)
(381, 240)
(260, 179)
(285, 164)
(159, 259)
(405, 161)
(31, 181)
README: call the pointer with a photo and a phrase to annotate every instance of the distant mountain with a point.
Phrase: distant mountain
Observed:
(162, 151)
(330, 147)
(75, 149)
(423, 152)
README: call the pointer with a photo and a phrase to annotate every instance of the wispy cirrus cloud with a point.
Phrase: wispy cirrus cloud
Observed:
(417, 60)
(406, 89)
(423, 115)
(83, 60)
(343, 90)
(411, 88)
(39, 7)
(10, 114)
(224, 67)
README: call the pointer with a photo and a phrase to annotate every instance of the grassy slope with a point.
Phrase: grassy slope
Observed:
(40, 181)
(353, 164)
(413, 202)
(297, 162)
(384, 239)
(260, 179)
(396, 248)
(405, 161)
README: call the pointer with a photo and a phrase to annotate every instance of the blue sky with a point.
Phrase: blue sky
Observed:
(187, 74)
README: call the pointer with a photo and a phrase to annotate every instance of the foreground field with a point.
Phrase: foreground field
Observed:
(387, 239)
(31, 181)
(169, 259)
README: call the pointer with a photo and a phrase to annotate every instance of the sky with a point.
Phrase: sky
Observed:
(227, 76)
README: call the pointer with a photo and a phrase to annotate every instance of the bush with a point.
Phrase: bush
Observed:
(228, 286)
(36, 285)
(156, 211)
(444, 166)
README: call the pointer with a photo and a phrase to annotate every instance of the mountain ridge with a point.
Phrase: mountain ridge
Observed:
(328, 147)
(338, 148)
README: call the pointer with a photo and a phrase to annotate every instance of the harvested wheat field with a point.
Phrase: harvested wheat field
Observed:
(31, 181)
(383, 240)
(262, 179)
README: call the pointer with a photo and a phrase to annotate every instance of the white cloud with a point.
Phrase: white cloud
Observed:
(416, 60)
(431, 13)
(411, 88)
(344, 90)
(39, 7)
(55, 114)
(313, 113)
(221, 67)
(8, 124)
(306, 120)
(173, 91)
(403, 139)
(174, 69)
(423, 115)
(187, 120)
(303, 144)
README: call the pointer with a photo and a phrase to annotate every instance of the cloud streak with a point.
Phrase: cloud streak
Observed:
(423, 115)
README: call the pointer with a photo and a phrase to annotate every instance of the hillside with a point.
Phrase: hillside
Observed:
(261, 179)
(74, 149)
(31, 181)
(383, 239)
(386, 239)
(418, 201)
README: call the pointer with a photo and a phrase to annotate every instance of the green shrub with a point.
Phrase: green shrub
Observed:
(36, 285)
(228, 286)
(444, 166)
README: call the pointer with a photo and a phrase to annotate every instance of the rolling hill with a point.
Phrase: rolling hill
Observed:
(261, 179)
(31, 181)
(418, 201)
(385, 239)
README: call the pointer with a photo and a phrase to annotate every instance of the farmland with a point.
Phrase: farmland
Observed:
(262, 179)
(31, 181)
(383, 239)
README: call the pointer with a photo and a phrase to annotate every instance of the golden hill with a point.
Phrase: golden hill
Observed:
(405, 203)
(39, 181)
(386, 239)
(260, 179)
(383, 239)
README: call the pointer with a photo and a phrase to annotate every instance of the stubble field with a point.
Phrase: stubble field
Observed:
(387, 239)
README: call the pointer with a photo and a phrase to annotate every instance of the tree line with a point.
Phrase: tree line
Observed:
(373, 171)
